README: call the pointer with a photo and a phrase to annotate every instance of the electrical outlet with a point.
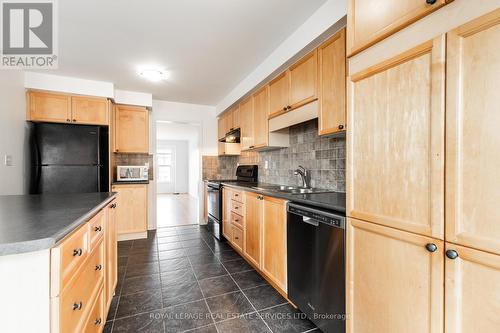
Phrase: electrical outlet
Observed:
(8, 160)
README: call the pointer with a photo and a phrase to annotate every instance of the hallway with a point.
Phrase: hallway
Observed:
(176, 210)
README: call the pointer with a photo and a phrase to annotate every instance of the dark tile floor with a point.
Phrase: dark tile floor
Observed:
(181, 279)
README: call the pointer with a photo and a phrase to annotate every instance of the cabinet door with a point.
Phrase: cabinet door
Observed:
(226, 214)
(394, 284)
(473, 138)
(131, 208)
(247, 125)
(88, 110)
(279, 91)
(49, 107)
(253, 223)
(229, 120)
(304, 81)
(260, 118)
(236, 118)
(369, 21)
(221, 127)
(472, 291)
(332, 85)
(395, 159)
(111, 255)
(274, 251)
(131, 129)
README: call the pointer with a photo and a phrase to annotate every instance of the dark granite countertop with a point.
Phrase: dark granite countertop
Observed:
(31, 223)
(327, 200)
(116, 182)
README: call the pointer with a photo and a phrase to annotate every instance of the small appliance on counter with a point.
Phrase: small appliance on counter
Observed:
(244, 173)
(132, 173)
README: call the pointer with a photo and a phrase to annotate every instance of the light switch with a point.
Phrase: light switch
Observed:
(8, 160)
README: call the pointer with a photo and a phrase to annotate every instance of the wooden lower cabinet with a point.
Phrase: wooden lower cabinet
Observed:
(274, 250)
(253, 227)
(132, 209)
(393, 283)
(472, 291)
(226, 214)
(81, 297)
(111, 256)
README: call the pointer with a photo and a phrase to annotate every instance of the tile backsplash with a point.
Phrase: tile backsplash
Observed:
(133, 159)
(323, 157)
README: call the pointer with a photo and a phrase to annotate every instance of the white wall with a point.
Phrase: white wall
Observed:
(13, 133)
(180, 183)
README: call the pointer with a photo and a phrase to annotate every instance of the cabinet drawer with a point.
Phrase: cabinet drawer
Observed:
(237, 207)
(237, 196)
(238, 237)
(67, 258)
(76, 300)
(237, 220)
(97, 226)
(95, 321)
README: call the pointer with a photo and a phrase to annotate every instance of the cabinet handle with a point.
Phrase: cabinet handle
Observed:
(98, 267)
(113, 205)
(74, 120)
(98, 228)
(68, 120)
(341, 127)
(236, 194)
(77, 306)
(77, 252)
(431, 247)
(288, 107)
(251, 147)
(452, 254)
(236, 220)
(98, 321)
(430, 2)
(284, 108)
(236, 238)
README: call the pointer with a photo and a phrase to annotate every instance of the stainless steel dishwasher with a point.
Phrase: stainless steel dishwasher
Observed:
(316, 265)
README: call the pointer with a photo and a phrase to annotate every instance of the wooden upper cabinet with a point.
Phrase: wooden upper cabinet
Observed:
(90, 111)
(260, 117)
(472, 291)
(236, 117)
(221, 127)
(279, 94)
(246, 122)
(304, 81)
(393, 283)
(49, 107)
(395, 150)
(369, 21)
(332, 85)
(274, 250)
(253, 225)
(472, 136)
(131, 129)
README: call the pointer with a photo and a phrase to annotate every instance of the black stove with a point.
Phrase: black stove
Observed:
(244, 173)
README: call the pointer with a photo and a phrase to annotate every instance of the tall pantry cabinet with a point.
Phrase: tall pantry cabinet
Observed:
(423, 190)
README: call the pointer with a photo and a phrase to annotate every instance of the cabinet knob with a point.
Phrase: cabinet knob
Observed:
(236, 238)
(74, 120)
(341, 127)
(236, 194)
(68, 120)
(431, 247)
(98, 267)
(113, 205)
(284, 108)
(288, 107)
(452, 254)
(77, 252)
(77, 306)
(98, 321)
(98, 228)
(430, 2)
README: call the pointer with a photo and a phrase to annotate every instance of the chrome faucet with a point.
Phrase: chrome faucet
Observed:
(302, 172)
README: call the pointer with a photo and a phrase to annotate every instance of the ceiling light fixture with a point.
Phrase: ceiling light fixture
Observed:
(153, 75)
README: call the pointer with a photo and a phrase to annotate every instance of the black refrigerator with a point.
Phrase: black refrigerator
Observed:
(68, 158)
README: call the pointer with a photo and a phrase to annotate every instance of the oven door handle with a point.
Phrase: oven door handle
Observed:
(210, 189)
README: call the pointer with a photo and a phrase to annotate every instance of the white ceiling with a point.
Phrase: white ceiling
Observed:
(207, 46)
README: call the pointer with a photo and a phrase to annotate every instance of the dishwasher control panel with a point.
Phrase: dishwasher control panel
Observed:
(318, 215)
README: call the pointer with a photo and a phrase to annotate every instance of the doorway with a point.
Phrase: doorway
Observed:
(178, 170)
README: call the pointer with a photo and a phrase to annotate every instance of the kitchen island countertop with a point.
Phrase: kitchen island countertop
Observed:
(36, 222)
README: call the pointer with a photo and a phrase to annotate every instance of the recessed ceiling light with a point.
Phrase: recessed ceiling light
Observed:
(153, 75)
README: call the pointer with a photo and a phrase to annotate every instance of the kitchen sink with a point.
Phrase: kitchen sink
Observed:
(290, 189)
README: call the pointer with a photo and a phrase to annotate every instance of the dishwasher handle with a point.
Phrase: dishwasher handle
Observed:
(311, 221)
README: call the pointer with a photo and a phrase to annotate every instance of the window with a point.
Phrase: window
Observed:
(165, 159)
